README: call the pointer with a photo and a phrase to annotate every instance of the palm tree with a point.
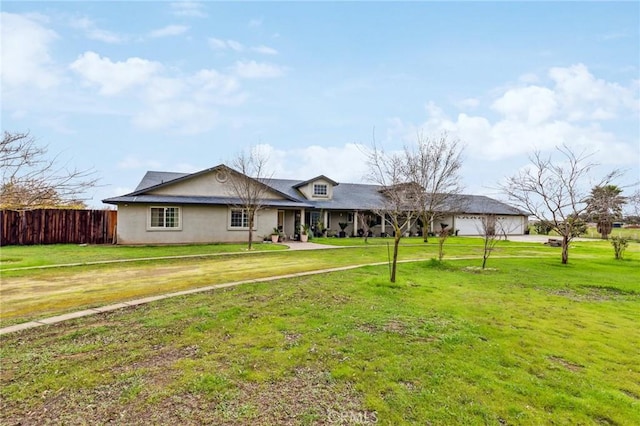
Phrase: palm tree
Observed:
(604, 206)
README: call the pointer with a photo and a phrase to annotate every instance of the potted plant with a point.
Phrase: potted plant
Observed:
(304, 233)
(321, 231)
(275, 235)
(343, 226)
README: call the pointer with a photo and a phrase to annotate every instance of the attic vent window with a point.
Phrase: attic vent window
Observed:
(320, 190)
(222, 176)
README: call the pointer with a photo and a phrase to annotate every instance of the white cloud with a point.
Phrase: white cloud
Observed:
(92, 31)
(468, 103)
(168, 31)
(218, 44)
(345, 163)
(254, 70)
(114, 77)
(265, 50)
(212, 80)
(160, 89)
(163, 101)
(189, 9)
(529, 78)
(583, 97)
(532, 104)
(26, 59)
(235, 45)
(537, 117)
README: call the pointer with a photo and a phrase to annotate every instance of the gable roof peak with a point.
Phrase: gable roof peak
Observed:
(323, 177)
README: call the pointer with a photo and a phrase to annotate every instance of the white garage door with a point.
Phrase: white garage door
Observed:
(472, 225)
(469, 225)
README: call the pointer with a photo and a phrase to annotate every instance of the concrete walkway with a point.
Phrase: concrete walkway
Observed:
(297, 245)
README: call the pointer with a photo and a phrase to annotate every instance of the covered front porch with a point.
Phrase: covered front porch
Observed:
(348, 223)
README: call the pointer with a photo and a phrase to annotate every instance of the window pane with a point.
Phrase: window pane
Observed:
(157, 217)
(172, 218)
(236, 218)
(319, 189)
(165, 217)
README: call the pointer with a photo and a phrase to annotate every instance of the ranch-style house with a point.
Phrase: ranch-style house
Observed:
(180, 208)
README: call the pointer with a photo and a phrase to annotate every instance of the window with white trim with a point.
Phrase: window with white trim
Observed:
(320, 190)
(239, 218)
(164, 218)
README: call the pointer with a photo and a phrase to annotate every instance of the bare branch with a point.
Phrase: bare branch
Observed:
(31, 180)
(554, 191)
(249, 184)
(434, 166)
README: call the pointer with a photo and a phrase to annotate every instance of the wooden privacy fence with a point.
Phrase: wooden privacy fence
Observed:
(52, 226)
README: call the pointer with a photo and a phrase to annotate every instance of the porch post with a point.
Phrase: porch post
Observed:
(301, 219)
(325, 219)
(382, 228)
(355, 223)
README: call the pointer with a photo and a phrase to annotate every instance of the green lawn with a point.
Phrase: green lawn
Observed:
(42, 255)
(592, 232)
(28, 294)
(529, 341)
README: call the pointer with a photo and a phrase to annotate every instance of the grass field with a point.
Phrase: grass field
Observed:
(529, 341)
(592, 232)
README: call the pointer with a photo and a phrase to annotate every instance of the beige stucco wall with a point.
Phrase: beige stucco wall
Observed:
(307, 190)
(200, 224)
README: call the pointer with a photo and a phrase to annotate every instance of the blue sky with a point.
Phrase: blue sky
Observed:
(126, 87)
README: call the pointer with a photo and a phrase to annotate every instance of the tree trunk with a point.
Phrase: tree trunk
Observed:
(425, 228)
(484, 255)
(396, 243)
(251, 214)
(565, 250)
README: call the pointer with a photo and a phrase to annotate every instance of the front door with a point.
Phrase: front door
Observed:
(281, 220)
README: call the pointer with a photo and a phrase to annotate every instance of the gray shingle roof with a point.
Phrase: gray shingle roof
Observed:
(346, 196)
(199, 200)
(152, 178)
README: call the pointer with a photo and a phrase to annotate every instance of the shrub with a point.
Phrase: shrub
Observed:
(542, 227)
(619, 245)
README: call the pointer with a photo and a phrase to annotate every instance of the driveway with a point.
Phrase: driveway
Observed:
(297, 245)
(540, 238)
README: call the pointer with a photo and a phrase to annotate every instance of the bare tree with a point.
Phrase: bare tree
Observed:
(250, 185)
(492, 228)
(442, 238)
(389, 171)
(434, 165)
(554, 192)
(30, 179)
(367, 222)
